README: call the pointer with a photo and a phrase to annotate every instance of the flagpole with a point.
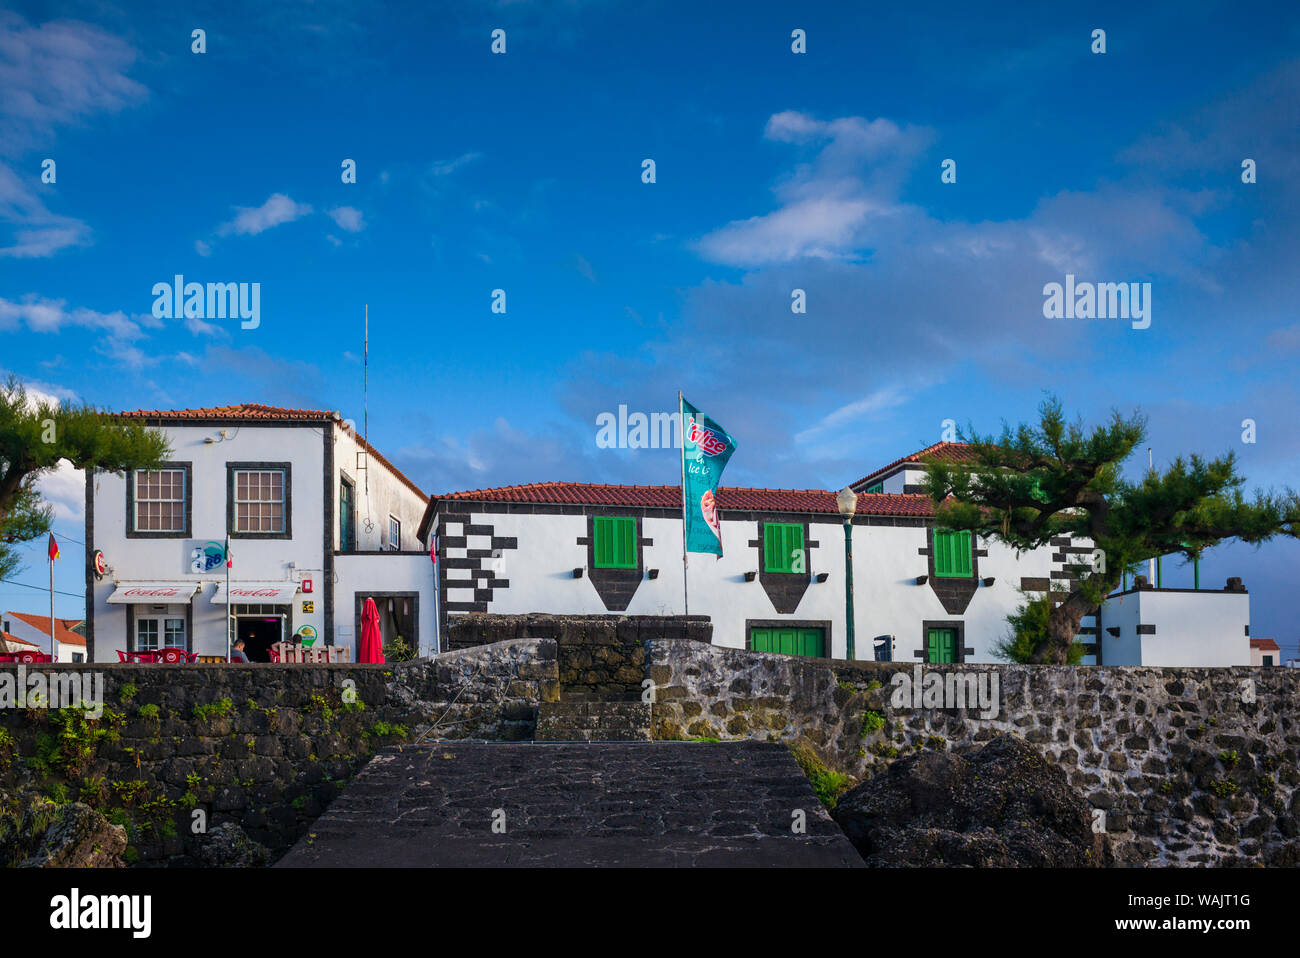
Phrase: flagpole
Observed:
(227, 558)
(50, 554)
(681, 419)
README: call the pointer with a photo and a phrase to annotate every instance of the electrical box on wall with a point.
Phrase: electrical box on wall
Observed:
(306, 585)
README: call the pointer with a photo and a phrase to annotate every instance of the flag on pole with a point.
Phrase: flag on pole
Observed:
(706, 448)
(53, 548)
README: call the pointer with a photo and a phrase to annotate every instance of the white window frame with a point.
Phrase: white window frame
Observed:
(160, 622)
(138, 500)
(394, 542)
(283, 501)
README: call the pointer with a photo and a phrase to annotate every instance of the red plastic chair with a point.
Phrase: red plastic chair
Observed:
(32, 657)
(171, 656)
(121, 656)
(275, 656)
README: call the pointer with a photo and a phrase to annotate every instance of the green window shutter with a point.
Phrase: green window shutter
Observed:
(876, 487)
(952, 554)
(771, 547)
(942, 553)
(760, 640)
(627, 543)
(600, 548)
(780, 541)
(962, 559)
(615, 542)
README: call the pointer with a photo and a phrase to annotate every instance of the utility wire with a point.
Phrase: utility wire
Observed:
(75, 595)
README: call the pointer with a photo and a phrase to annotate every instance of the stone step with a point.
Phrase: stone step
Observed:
(593, 721)
(629, 804)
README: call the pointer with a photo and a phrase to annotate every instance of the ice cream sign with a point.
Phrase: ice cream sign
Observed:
(706, 447)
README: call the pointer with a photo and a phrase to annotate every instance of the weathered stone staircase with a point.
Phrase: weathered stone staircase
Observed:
(600, 690)
(593, 721)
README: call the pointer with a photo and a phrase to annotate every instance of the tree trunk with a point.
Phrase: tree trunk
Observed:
(1062, 627)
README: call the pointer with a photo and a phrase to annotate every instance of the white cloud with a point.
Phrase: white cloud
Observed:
(53, 315)
(36, 232)
(58, 73)
(348, 218)
(200, 327)
(202, 248)
(831, 207)
(869, 406)
(65, 490)
(251, 220)
(447, 167)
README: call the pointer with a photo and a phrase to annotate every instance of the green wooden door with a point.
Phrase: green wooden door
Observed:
(794, 640)
(942, 646)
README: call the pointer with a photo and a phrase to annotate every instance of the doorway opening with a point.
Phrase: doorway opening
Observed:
(399, 623)
(259, 633)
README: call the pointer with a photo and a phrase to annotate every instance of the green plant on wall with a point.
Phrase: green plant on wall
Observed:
(398, 650)
(220, 708)
(828, 783)
(872, 722)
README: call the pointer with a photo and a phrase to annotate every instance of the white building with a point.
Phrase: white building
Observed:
(32, 629)
(1177, 627)
(919, 593)
(317, 521)
(1265, 653)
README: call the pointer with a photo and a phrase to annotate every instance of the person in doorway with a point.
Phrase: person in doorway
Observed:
(237, 653)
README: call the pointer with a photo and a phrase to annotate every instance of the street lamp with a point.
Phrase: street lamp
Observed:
(847, 502)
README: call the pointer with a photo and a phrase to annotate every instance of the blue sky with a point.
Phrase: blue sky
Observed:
(775, 171)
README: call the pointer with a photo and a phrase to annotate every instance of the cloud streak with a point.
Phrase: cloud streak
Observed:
(252, 220)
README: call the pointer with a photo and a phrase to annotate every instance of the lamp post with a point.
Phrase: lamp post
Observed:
(847, 502)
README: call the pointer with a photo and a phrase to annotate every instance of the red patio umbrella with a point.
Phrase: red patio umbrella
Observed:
(372, 646)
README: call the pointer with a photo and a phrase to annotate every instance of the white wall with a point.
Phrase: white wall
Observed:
(396, 572)
(1123, 612)
(387, 495)
(1205, 628)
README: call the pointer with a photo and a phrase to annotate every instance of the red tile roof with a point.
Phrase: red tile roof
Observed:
(1268, 645)
(241, 411)
(42, 624)
(259, 412)
(15, 644)
(670, 497)
(940, 451)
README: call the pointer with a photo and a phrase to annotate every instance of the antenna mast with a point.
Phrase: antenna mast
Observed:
(363, 454)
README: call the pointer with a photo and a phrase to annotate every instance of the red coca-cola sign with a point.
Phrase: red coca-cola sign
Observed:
(256, 593)
(153, 593)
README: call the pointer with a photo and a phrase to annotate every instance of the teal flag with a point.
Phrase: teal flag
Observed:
(706, 447)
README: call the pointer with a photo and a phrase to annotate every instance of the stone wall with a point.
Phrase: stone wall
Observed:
(264, 746)
(600, 656)
(1189, 766)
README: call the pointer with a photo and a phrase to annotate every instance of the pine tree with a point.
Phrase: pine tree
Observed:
(1053, 479)
(36, 435)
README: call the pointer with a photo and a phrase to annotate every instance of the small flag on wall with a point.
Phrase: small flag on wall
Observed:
(54, 548)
